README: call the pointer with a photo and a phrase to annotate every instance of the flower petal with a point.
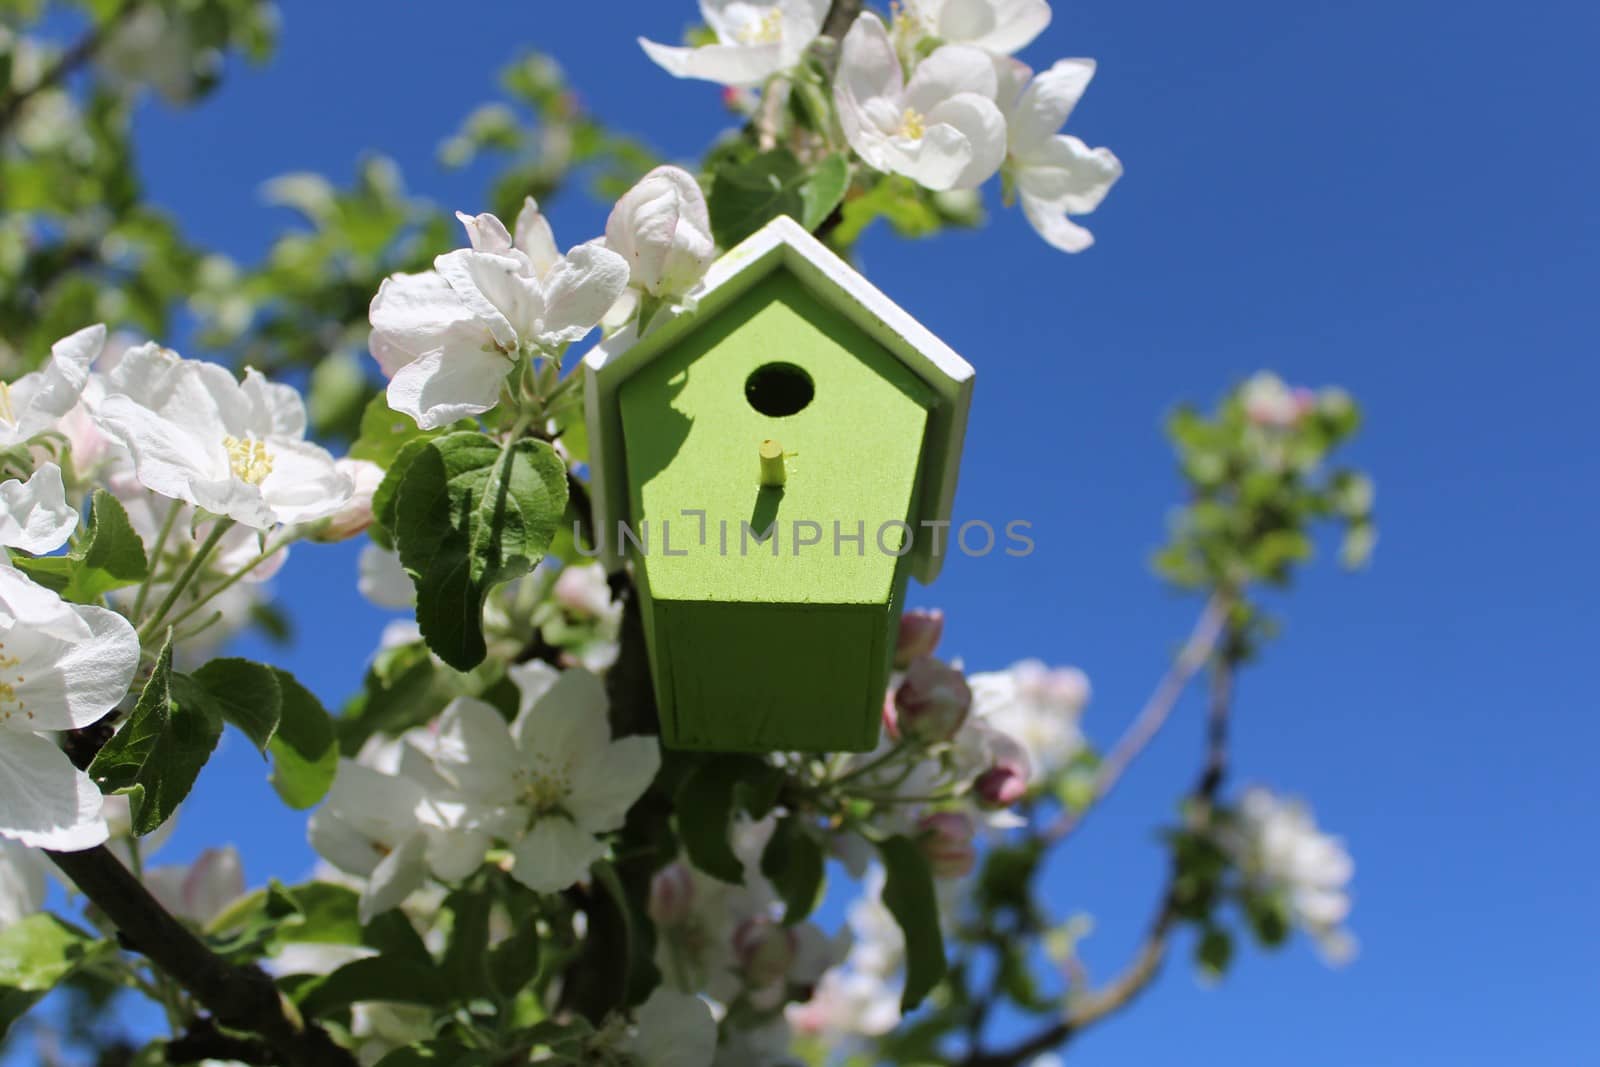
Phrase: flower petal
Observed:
(442, 387)
(999, 26)
(495, 289)
(950, 70)
(305, 482)
(34, 515)
(1070, 175)
(1052, 224)
(46, 802)
(415, 314)
(604, 790)
(1046, 103)
(486, 232)
(738, 65)
(568, 724)
(534, 238)
(868, 66)
(580, 290)
(475, 751)
(396, 877)
(936, 161)
(554, 855)
(984, 129)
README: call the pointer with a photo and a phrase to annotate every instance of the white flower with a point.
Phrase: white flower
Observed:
(34, 515)
(999, 26)
(236, 449)
(199, 891)
(1270, 403)
(755, 40)
(1279, 849)
(62, 666)
(847, 1003)
(35, 402)
(662, 229)
(583, 591)
(448, 337)
(941, 128)
(1038, 707)
(382, 579)
(356, 515)
(1055, 175)
(387, 829)
(674, 1030)
(555, 775)
(22, 882)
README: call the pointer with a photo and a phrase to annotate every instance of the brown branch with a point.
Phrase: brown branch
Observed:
(240, 998)
(1090, 1008)
(81, 52)
(1196, 651)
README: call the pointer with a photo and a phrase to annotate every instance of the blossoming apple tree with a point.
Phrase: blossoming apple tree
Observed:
(513, 869)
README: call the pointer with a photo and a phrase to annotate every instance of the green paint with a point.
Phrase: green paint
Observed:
(755, 649)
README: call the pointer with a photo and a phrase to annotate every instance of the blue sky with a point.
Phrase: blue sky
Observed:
(1397, 198)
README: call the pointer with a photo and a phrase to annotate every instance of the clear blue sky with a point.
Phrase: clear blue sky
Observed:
(1399, 198)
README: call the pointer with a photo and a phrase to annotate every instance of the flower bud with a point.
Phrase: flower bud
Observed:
(583, 591)
(920, 631)
(1000, 786)
(764, 949)
(671, 895)
(1269, 403)
(932, 701)
(662, 228)
(355, 516)
(946, 840)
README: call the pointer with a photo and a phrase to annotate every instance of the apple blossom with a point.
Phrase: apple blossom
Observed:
(755, 40)
(555, 776)
(919, 634)
(662, 228)
(62, 666)
(383, 580)
(671, 895)
(584, 591)
(932, 701)
(447, 338)
(946, 839)
(941, 128)
(1055, 175)
(34, 515)
(999, 26)
(236, 449)
(1279, 849)
(36, 401)
(199, 891)
(356, 515)
(1037, 706)
(1269, 403)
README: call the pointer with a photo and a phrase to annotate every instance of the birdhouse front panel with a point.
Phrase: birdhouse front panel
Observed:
(800, 438)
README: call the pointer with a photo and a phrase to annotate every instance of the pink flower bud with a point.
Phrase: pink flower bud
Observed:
(764, 950)
(671, 895)
(583, 590)
(946, 840)
(1000, 786)
(920, 631)
(355, 516)
(932, 701)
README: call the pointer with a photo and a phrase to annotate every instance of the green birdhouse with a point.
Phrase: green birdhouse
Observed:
(776, 463)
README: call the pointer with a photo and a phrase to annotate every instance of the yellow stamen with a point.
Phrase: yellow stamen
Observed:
(768, 29)
(911, 125)
(6, 411)
(248, 458)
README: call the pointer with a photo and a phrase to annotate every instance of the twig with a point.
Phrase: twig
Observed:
(1191, 658)
(240, 998)
(1136, 977)
(841, 16)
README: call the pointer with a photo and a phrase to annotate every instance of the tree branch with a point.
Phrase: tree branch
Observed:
(841, 16)
(1196, 651)
(1086, 1010)
(240, 998)
(81, 52)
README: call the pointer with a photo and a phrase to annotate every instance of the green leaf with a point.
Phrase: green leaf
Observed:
(158, 753)
(466, 954)
(245, 694)
(793, 863)
(375, 978)
(386, 498)
(37, 953)
(514, 962)
(469, 516)
(305, 752)
(909, 895)
(704, 806)
(385, 433)
(109, 556)
(439, 1052)
(1214, 951)
(746, 194)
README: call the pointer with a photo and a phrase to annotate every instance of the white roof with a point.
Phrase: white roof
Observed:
(785, 243)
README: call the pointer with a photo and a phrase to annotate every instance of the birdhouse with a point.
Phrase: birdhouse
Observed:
(777, 463)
